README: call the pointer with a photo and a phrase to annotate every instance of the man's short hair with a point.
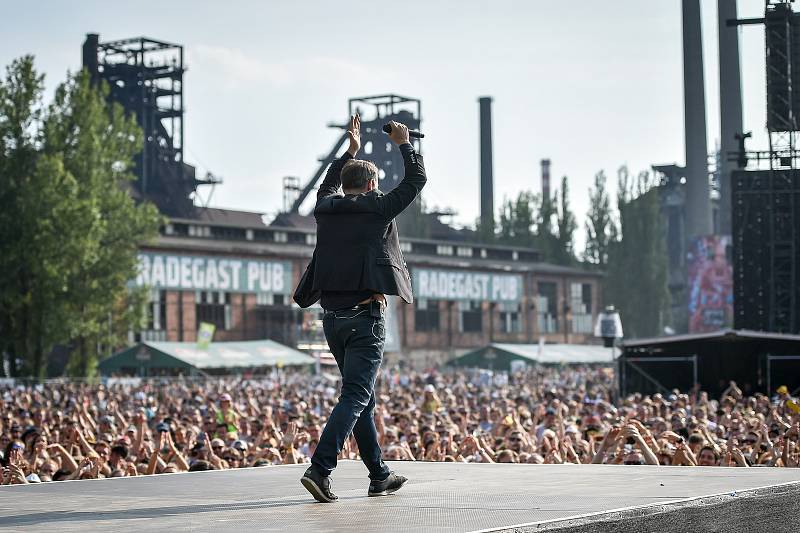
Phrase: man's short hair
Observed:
(120, 450)
(357, 172)
(696, 438)
(201, 466)
(711, 449)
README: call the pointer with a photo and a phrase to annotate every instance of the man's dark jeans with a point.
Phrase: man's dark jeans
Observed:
(356, 340)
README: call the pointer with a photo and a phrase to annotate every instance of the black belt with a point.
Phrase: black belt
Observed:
(357, 307)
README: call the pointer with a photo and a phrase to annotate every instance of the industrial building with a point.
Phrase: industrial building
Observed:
(237, 270)
(230, 269)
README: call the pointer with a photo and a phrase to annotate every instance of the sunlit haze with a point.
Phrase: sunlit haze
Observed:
(590, 85)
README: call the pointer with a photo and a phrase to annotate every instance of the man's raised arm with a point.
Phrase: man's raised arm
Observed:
(396, 200)
(333, 178)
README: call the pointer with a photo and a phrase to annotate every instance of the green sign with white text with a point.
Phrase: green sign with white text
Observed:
(205, 273)
(438, 284)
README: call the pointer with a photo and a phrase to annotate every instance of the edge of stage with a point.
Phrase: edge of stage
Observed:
(440, 497)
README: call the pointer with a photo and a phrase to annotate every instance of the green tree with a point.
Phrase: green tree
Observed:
(637, 266)
(505, 225)
(70, 248)
(23, 326)
(600, 227)
(547, 228)
(518, 221)
(564, 253)
(547, 225)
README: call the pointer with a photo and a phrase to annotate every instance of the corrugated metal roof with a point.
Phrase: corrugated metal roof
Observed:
(552, 353)
(225, 217)
(234, 354)
(218, 355)
(723, 334)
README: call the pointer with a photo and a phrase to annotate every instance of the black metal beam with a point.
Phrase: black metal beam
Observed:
(309, 186)
(745, 22)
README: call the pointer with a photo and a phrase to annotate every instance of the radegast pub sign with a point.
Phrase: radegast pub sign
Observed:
(438, 284)
(205, 273)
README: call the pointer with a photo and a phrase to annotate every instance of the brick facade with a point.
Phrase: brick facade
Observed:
(249, 316)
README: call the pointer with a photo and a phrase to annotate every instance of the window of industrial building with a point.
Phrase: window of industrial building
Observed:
(509, 318)
(156, 311)
(464, 251)
(580, 304)
(227, 233)
(311, 239)
(426, 315)
(267, 298)
(405, 246)
(547, 307)
(470, 317)
(280, 236)
(214, 308)
(444, 249)
(199, 231)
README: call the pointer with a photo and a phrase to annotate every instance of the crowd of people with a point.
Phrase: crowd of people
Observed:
(129, 427)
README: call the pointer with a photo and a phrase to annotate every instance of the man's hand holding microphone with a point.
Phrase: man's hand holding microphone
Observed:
(398, 132)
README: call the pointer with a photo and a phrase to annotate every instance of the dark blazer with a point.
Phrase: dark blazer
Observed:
(357, 244)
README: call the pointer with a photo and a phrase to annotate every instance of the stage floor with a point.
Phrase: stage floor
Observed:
(440, 497)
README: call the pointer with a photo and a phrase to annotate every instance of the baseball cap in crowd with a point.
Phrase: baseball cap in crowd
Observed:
(17, 446)
(571, 429)
(430, 388)
(783, 389)
(33, 478)
(225, 397)
(549, 411)
(240, 445)
(162, 427)
(107, 420)
(217, 442)
(131, 429)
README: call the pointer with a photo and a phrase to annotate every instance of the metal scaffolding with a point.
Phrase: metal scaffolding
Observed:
(146, 76)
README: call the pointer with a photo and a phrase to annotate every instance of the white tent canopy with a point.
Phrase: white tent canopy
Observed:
(234, 354)
(559, 353)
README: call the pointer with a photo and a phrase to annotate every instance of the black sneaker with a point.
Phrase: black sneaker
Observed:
(387, 486)
(319, 486)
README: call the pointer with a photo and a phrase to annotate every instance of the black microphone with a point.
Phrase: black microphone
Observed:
(411, 133)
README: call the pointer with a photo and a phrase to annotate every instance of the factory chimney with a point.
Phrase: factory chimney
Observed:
(89, 54)
(487, 178)
(730, 106)
(545, 179)
(698, 194)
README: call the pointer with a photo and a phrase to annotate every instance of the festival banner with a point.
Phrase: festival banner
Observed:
(466, 285)
(710, 284)
(204, 273)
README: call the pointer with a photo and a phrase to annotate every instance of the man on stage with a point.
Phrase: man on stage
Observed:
(356, 262)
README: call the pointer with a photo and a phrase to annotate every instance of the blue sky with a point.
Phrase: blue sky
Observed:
(591, 85)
